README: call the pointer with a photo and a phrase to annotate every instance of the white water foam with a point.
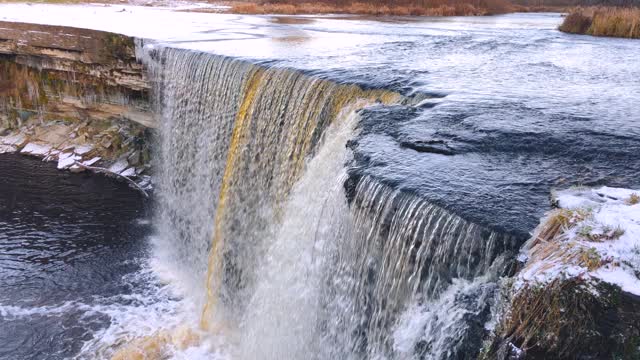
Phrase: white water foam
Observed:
(282, 317)
(438, 327)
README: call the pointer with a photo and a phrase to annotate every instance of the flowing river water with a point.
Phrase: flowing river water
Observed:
(326, 187)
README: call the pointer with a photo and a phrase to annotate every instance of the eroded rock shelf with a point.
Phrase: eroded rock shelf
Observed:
(75, 96)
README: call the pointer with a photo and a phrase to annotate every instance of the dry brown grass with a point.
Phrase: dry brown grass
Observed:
(558, 318)
(557, 222)
(371, 7)
(603, 21)
(633, 199)
(432, 8)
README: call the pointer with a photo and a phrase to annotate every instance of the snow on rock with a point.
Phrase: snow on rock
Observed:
(66, 160)
(53, 141)
(16, 140)
(585, 197)
(91, 161)
(129, 172)
(83, 149)
(4, 149)
(76, 169)
(52, 156)
(119, 166)
(36, 149)
(594, 235)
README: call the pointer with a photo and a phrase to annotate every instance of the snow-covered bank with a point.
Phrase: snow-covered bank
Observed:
(578, 293)
(595, 234)
(115, 148)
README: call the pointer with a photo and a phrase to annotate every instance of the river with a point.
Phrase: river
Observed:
(347, 222)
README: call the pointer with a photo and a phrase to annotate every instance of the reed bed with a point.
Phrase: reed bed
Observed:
(603, 21)
(430, 8)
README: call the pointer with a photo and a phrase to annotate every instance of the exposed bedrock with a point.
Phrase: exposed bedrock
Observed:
(78, 97)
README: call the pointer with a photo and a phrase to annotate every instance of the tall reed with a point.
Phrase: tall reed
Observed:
(377, 7)
(603, 21)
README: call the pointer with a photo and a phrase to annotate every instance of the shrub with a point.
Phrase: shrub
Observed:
(576, 23)
(603, 21)
(633, 199)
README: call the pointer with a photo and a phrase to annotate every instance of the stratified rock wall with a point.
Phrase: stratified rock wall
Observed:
(74, 96)
(70, 73)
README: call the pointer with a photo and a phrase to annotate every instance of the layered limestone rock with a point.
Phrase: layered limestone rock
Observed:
(78, 97)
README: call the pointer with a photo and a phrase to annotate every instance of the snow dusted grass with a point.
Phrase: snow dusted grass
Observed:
(594, 235)
(579, 259)
(556, 317)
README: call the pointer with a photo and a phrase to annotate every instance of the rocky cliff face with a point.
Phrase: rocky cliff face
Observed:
(75, 96)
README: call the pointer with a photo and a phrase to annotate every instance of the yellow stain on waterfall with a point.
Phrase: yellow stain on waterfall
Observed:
(302, 119)
(214, 270)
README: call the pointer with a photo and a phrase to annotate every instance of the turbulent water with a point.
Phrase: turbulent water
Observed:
(356, 198)
(71, 259)
(300, 257)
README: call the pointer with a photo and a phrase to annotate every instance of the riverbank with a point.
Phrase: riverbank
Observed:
(577, 291)
(603, 21)
(305, 7)
(437, 8)
(75, 97)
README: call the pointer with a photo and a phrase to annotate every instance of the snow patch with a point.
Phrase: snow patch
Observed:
(129, 172)
(92, 161)
(602, 242)
(16, 140)
(65, 160)
(4, 149)
(36, 149)
(119, 166)
(83, 149)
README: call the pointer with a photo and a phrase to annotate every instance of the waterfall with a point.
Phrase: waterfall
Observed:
(402, 251)
(196, 96)
(254, 217)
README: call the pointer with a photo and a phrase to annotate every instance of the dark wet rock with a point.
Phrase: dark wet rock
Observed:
(601, 324)
(134, 158)
(428, 146)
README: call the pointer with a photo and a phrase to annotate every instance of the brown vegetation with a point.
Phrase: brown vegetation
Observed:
(378, 8)
(603, 21)
(633, 199)
(558, 320)
(564, 316)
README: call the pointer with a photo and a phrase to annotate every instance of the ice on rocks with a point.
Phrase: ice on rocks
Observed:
(16, 140)
(52, 156)
(4, 149)
(51, 141)
(584, 197)
(83, 149)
